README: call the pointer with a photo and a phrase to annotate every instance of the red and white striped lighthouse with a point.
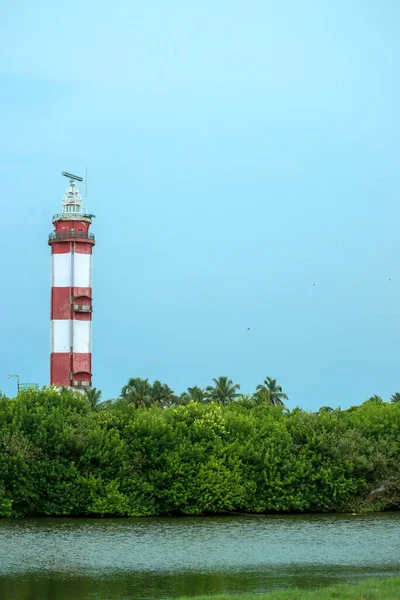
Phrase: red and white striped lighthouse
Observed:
(71, 292)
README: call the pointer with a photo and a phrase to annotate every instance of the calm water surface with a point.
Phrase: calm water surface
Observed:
(59, 559)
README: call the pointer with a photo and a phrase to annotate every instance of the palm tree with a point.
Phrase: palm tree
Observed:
(395, 398)
(374, 400)
(271, 392)
(93, 398)
(192, 394)
(183, 399)
(327, 409)
(223, 391)
(196, 393)
(137, 391)
(263, 397)
(161, 395)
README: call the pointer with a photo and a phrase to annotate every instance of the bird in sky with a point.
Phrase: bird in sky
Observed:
(379, 488)
(248, 329)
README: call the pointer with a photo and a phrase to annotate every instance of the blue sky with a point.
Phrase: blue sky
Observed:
(238, 152)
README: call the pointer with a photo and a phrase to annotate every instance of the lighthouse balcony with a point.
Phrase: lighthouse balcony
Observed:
(71, 236)
(71, 215)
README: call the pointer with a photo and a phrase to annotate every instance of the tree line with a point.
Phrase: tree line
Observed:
(207, 451)
(143, 394)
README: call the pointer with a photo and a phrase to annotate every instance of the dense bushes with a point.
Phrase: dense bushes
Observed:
(59, 455)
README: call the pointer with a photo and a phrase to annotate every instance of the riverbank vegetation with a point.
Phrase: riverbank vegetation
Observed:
(370, 589)
(209, 451)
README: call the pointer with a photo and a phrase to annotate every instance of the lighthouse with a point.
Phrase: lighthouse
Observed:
(71, 246)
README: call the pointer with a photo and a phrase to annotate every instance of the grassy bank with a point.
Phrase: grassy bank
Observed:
(370, 589)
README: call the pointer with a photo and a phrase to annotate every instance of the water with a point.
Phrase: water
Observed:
(96, 559)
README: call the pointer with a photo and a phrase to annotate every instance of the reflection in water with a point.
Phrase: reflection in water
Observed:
(153, 585)
(57, 559)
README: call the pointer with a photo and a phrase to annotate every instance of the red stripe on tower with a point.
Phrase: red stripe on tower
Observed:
(71, 293)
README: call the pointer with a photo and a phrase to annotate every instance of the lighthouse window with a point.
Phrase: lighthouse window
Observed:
(71, 208)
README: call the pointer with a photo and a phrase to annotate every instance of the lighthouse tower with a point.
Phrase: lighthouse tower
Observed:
(71, 292)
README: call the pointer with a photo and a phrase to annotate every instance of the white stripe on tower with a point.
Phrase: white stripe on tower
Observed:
(71, 295)
(72, 270)
(61, 270)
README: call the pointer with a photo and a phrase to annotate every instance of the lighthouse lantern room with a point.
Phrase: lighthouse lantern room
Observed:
(71, 292)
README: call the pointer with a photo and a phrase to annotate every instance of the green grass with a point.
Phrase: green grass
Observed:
(370, 589)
